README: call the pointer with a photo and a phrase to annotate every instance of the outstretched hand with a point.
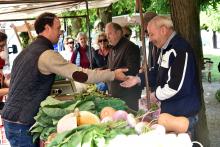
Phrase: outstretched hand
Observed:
(119, 74)
(130, 82)
(153, 98)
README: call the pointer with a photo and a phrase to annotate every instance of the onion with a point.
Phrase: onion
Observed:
(140, 127)
(159, 129)
(120, 115)
(106, 119)
(131, 120)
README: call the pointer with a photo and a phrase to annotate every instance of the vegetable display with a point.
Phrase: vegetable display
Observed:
(91, 135)
(52, 110)
(95, 120)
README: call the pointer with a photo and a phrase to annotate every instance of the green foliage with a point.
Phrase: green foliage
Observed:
(159, 6)
(123, 7)
(78, 24)
(24, 39)
(204, 4)
(210, 10)
(211, 18)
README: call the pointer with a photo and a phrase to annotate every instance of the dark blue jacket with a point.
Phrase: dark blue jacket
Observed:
(177, 86)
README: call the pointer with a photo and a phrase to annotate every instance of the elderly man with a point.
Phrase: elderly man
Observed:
(177, 85)
(32, 76)
(124, 53)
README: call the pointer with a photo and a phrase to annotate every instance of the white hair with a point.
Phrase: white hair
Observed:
(159, 21)
(81, 34)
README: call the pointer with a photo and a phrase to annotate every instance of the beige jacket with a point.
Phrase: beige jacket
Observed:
(52, 62)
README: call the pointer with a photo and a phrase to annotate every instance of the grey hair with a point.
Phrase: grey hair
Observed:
(81, 34)
(160, 21)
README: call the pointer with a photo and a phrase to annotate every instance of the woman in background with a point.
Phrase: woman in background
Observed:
(100, 57)
(81, 53)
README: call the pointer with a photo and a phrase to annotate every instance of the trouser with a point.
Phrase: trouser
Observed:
(18, 134)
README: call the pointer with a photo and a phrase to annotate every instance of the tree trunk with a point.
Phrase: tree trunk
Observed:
(105, 14)
(185, 16)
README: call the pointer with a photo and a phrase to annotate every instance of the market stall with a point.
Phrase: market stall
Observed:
(94, 119)
(91, 118)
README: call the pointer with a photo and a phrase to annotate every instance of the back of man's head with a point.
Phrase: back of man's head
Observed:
(3, 36)
(148, 16)
(42, 20)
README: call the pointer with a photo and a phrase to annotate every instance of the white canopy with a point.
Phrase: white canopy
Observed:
(127, 19)
(25, 9)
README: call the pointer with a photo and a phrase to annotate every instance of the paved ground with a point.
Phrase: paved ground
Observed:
(212, 112)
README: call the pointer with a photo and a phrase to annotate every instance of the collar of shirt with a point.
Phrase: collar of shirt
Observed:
(168, 40)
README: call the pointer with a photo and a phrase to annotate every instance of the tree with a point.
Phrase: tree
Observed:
(105, 14)
(211, 20)
(185, 15)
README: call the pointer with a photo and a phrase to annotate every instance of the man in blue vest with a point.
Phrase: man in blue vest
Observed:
(32, 76)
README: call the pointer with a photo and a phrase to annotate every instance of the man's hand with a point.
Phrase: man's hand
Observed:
(153, 98)
(131, 81)
(119, 74)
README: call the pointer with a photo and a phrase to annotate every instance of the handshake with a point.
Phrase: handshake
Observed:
(128, 81)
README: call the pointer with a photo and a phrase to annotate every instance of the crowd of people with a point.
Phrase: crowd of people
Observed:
(114, 65)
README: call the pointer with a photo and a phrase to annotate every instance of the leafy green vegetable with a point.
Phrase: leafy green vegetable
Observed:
(91, 135)
(52, 110)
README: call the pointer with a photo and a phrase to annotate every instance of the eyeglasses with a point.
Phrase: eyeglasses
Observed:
(70, 42)
(102, 40)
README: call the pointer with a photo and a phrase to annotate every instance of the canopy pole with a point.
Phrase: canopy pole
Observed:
(28, 30)
(145, 63)
(16, 33)
(88, 28)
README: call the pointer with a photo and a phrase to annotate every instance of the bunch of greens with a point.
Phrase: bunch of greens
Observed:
(91, 135)
(52, 110)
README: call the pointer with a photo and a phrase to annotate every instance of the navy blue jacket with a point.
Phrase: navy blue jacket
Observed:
(176, 86)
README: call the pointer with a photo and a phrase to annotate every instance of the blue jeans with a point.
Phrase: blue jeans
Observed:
(101, 86)
(192, 123)
(18, 135)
